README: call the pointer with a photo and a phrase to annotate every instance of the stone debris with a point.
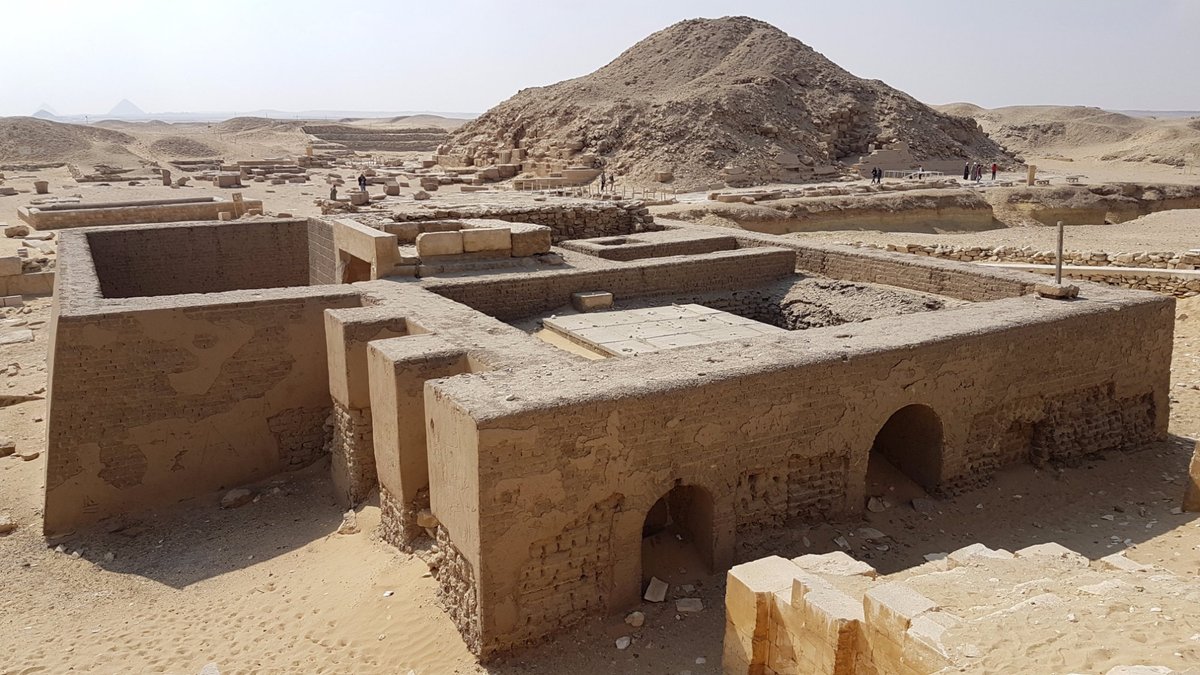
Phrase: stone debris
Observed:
(30, 456)
(623, 642)
(15, 231)
(877, 505)
(7, 524)
(1118, 561)
(16, 337)
(425, 518)
(689, 605)
(210, 669)
(635, 619)
(656, 591)
(236, 497)
(7, 447)
(926, 506)
(349, 523)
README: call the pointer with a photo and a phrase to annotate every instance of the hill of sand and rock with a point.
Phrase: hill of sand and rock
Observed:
(704, 94)
(1079, 133)
(33, 141)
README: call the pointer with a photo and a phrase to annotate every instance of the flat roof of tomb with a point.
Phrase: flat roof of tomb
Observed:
(630, 332)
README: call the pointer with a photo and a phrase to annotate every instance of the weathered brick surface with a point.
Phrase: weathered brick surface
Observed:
(775, 428)
(170, 260)
(517, 296)
(353, 452)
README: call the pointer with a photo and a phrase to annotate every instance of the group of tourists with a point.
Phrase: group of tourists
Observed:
(607, 181)
(877, 175)
(975, 170)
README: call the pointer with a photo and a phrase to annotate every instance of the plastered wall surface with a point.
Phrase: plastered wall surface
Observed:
(160, 398)
(570, 461)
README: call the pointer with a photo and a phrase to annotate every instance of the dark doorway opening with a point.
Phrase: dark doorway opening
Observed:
(906, 458)
(677, 536)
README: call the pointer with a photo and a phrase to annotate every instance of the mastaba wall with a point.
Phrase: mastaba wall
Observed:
(61, 216)
(565, 464)
(155, 399)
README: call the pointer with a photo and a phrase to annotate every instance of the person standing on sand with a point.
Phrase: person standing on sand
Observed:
(333, 192)
(603, 181)
(362, 182)
(995, 168)
(966, 170)
(612, 183)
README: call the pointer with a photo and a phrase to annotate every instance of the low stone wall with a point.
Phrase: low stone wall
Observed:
(1163, 260)
(1166, 272)
(579, 221)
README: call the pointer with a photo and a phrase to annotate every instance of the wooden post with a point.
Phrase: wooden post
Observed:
(1059, 255)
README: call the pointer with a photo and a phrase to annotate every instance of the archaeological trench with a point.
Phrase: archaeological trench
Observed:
(537, 388)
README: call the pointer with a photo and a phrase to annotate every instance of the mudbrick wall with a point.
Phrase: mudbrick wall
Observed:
(190, 258)
(322, 260)
(582, 221)
(567, 463)
(153, 400)
(516, 296)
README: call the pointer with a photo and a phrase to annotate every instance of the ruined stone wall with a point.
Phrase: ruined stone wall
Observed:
(515, 296)
(171, 260)
(771, 429)
(577, 221)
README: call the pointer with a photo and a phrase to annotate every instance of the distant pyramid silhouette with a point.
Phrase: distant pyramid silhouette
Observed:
(45, 114)
(126, 108)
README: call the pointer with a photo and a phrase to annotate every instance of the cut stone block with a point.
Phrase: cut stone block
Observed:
(439, 243)
(486, 239)
(590, 301)
(837, 563)
(891, 608)
(530, 240)
(964, 555)
(1118, 561)
(10, 266)
(1052, 549)
(656, 590)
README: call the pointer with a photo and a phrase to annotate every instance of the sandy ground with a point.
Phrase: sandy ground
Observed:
(270, 587)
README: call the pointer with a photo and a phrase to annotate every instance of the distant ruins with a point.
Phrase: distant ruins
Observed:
(533, 387)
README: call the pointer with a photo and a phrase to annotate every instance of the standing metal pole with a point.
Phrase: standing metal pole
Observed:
(1058, 258)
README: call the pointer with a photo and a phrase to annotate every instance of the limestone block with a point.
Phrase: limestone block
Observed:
(1052, 550)
(530, 240)
(439, 243)
(487, 239)
(41, 187)
(964, 555)
(10, 265)
(1118, 561)
(590, 301)
(832, 620)
(891, 608)
(837, 563)
(749, 591)
(11, 301)
(360, 198)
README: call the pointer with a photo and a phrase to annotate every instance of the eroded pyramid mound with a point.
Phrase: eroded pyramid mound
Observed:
(705, 94)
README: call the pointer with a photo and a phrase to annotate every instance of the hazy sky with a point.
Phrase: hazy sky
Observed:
(467, 55)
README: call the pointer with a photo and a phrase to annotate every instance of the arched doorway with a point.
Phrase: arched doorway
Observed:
(677, 536)
(906, 457)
